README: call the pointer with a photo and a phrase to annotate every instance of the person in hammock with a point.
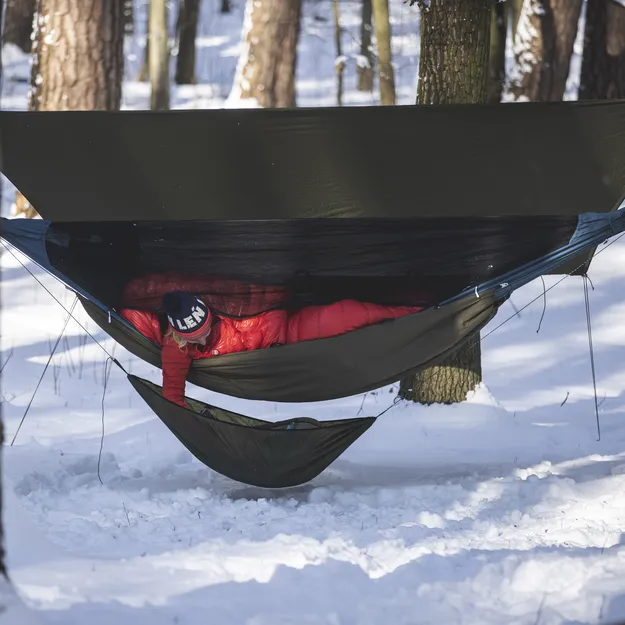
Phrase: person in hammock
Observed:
(194, 331)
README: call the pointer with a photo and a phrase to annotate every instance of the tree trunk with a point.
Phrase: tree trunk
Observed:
(188, 13)
(365, 63)
(543, 48)
(455, 42)
(497, 54)
(78, 56)
(159, 56)
(129, 17)
(77, 61)
(339, 65)
(18, 23)
(514, 13)
(144, 74)
(603, 61)
(225, 6)
(266, 71)
(382, 25)
(449, 382)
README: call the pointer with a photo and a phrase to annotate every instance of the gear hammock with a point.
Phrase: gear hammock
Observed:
(255, 210)
(255, 452)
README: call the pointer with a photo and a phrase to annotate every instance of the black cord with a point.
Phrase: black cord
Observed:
(540, 323)
(69, 316)
(56, 299)
(103, 396)
(592, 353)
(551, 287)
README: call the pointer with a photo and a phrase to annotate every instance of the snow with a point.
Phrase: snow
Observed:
(503, 509)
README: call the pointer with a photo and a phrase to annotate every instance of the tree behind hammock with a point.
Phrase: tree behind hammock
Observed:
(18, 23)
(266, 71)
(603, 62)
(543, 45)
(77, 61)
(454, 68)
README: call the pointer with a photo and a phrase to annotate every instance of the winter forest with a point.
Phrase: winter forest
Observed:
(485, 484)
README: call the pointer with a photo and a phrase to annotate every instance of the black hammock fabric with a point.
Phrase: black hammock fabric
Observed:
(324, 369)
(247, 267)
(252, 451)
(555, 158)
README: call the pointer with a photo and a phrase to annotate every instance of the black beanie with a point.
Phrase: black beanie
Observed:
(187, 314)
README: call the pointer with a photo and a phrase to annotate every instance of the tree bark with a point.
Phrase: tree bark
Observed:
(78, 56)
(365, 65)
(339, 64)
(454, 67)
(77, 60)
(603, 61)
(455, 42)
(497, 54)
(159, 56)
(188, 13)
(382, 25)
(18, 23)
(449, 382)
(266, 70)
(543, 48)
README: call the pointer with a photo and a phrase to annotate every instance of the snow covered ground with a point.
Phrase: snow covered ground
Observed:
(504, 509)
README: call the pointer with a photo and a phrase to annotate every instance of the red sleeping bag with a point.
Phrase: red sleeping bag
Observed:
(273, 328)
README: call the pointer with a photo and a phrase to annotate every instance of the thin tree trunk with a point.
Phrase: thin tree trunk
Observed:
(144, 74)
(129, 18)
(497, 55)
(77, 62)
(382, 25)
(225, 6)
(455, 43)
(365, 63)
(159, 56)
(188, 13)
(266, 70)
(603, 61)
(340, 62)
(18, 23)
(543, 48)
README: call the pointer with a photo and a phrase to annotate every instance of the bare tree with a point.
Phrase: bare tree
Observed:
(603, 62)
(77, 62)
(382, 25)
(365, 64)
(18, 23)
(455, 42)
(266, 70)
(340, 61)
(186, 27)
(543, 47)
(159, 56)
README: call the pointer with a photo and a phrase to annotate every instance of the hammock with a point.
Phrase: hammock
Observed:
(255, 452)
(290, 232)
